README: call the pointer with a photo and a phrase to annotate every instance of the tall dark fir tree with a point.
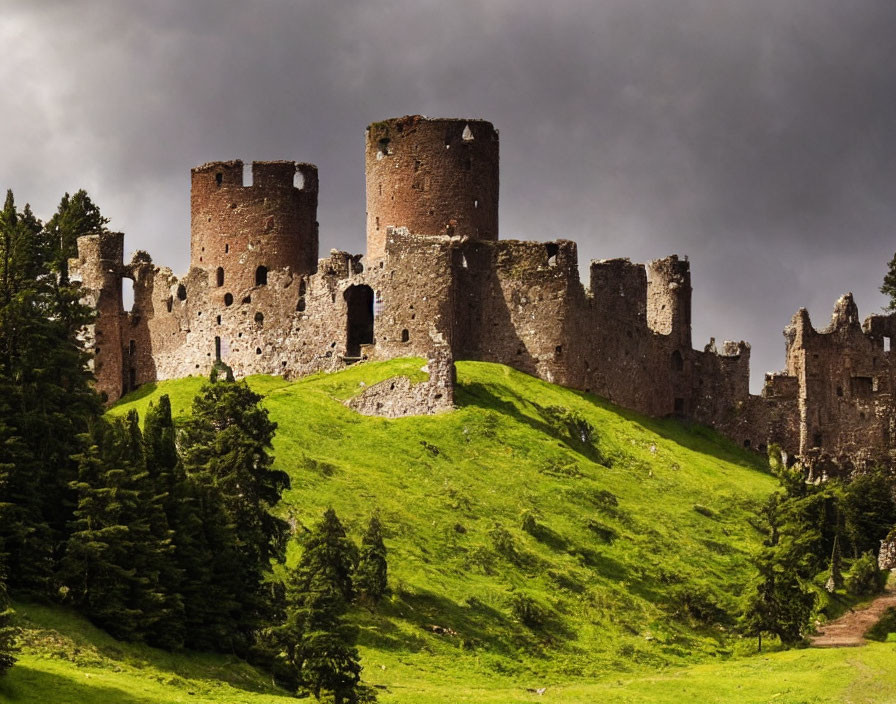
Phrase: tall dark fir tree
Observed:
(225, 447)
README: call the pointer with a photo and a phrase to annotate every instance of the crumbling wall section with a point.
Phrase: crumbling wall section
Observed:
(845, 384)
(398, 396)
(99, 267)
(515, 303)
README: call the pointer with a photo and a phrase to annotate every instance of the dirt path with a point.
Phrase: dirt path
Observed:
(848, 629)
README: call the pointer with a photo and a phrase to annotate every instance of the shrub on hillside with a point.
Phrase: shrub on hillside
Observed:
(864, 577)
(527, 611)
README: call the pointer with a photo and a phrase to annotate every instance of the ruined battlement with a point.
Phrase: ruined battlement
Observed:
(431, 176)
(241, 230)
(436, 282)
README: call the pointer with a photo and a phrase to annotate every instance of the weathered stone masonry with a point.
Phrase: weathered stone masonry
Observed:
(437, 282)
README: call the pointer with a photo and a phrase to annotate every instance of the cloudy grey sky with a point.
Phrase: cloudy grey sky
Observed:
(758, 137)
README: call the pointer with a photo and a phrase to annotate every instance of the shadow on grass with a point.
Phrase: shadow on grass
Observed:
(461, 625)
(481, 396)
(687, 434)
(138, 393)
(27, 685)
(86, 642)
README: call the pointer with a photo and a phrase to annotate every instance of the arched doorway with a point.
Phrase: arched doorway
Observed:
(359, 319)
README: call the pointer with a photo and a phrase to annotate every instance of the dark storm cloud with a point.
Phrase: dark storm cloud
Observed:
(756, 136)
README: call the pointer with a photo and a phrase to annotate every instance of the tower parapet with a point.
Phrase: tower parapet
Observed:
(240, 232)
(669, 299)
(99, 267)
(432, 176)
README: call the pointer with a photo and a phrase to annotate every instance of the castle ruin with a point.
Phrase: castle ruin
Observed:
(437, 282)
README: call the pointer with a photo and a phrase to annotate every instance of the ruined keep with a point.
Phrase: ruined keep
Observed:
(437, 282)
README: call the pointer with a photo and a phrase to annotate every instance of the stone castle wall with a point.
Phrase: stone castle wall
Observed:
(437, 283)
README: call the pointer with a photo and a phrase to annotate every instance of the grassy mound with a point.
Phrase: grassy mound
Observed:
(538, 536)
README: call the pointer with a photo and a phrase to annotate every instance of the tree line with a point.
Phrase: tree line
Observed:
(810, 532)
(161, 534)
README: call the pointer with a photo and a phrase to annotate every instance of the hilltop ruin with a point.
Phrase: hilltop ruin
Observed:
(437, 282)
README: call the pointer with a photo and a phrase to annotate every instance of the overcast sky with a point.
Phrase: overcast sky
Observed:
(758, 137)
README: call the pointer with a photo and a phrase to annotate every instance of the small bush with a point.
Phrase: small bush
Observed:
(697, 603)
(705, 511)
(604, 534)
(527, 611)
(864, 577)
(528, 523)
(483, 559)
(503, 542)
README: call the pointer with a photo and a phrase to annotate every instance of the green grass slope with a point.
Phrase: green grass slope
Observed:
(538, 537)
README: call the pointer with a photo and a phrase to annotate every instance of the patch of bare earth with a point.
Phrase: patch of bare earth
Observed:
(849, 630)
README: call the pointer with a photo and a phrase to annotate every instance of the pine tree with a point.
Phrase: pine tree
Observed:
(75, 217)
(888, 287)
(113, 558)
(225, 452)
(8, 632)
(776, 602)
(371, 575)
(47, 401)
(319, 644)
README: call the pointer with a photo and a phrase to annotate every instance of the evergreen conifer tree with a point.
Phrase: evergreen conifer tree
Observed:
(8, 632)
(319, 644)
(225, 452)
(113, 558)
(371, 576)
(47, 401)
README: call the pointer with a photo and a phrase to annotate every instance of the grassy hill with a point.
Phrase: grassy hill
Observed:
(538, 537)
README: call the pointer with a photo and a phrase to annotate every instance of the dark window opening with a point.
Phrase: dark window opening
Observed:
(218, 319)
(553, 250)
(261, 276)
(219, 276)
(747, 443)
(219, 178)
(679, 406)
(226, 249)
(228, 299)
(300, 306)
(839, 390)
(217, 349)
(132, 378)
(132, 348)
(359, 322)
(181, 293)
(677, 361)
(169, 304)
(247, 299)
(558, 351)
(258, 350)
(817, 439)
(405, 335)
(259, 318)
(862, 386)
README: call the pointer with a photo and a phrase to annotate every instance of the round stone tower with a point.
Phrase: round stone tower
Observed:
(432, 176)
(240, 231)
